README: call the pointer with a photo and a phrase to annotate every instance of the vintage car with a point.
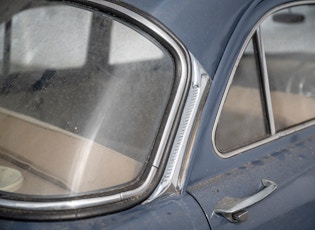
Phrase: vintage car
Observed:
(174, 114)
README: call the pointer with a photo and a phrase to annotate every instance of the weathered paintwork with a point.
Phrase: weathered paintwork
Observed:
(214, 32)
(180, 212)
(204, 26)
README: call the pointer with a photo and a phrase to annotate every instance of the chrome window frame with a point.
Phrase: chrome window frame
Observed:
(273, 134)
(176, 173)
(179, 98)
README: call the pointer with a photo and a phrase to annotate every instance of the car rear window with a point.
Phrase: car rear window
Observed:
(82, 99)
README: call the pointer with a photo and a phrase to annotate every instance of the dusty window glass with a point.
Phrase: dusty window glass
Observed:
(2, 26)
(242, 120)
(82, 98)
(288, 38)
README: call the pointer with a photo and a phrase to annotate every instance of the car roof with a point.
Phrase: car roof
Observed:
(204, 26)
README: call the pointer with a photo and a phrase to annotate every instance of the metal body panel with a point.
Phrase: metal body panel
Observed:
(173, 212)
(207, 162)
(204, 26)
(292, 168)
(288, 160)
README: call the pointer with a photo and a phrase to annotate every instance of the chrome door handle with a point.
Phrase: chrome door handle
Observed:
(233, 208)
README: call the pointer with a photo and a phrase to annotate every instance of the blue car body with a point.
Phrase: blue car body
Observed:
(214, 33)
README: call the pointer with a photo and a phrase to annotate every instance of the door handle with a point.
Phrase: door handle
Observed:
(233, 208)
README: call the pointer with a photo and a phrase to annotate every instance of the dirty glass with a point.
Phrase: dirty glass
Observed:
(242, 120)
(288, 37)
(82, 98)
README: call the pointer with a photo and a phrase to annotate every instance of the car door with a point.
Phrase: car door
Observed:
(255, 148)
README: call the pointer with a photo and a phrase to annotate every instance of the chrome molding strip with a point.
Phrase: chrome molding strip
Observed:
(265, 78)
(75, 204)
(276, 135)
(173, 178)
(91, 202)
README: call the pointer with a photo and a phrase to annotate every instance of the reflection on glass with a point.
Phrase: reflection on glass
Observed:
(123, 49)
(242, 120)
(290, 55)
(1, 46)
(77, 112)
(39, 44)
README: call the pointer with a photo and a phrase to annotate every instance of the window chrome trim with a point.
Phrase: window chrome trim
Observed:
(175, 174)
(273, 136)
(265, 78)
(97, 201)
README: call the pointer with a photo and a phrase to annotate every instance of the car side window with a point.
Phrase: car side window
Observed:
(242, 119)
(273, 87)
(290, 57)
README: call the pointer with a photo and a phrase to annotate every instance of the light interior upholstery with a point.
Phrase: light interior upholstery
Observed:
(289, 109)
(53, 160)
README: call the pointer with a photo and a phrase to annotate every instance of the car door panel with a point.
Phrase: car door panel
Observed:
(285, 155)
(292, 168)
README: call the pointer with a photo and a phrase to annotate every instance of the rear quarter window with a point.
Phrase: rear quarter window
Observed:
(273, 89)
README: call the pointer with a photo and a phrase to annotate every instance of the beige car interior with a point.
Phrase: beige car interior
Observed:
(53, 161)
(288, 109)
